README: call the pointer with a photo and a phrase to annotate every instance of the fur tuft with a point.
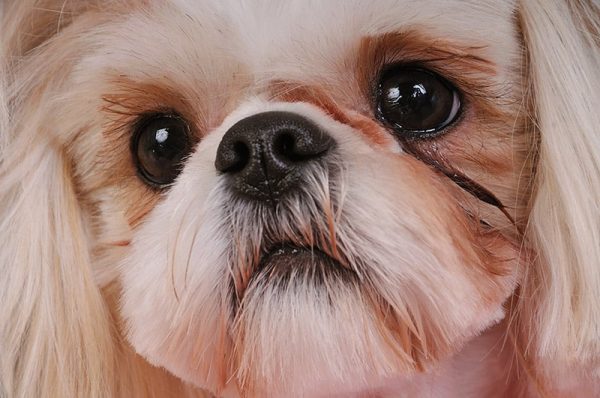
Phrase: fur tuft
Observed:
(55, 336)
(559, 296)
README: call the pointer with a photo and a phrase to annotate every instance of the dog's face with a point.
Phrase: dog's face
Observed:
(294, 197)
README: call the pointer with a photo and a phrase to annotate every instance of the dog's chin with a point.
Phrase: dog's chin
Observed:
(305, 324)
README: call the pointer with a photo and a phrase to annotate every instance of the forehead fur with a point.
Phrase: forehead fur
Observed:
(214, 42)
(303, 32)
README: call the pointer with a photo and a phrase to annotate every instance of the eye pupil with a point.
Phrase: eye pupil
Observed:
(159, 147)
(416, 102)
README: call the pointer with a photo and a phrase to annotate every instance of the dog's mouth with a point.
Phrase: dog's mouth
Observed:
(284, 261)
(285, 266)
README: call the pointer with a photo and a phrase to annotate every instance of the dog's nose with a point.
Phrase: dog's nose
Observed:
(265, 154)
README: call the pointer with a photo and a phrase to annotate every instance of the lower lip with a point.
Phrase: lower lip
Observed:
(288, 261)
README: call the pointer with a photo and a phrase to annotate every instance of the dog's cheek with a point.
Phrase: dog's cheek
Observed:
(173, 277)
(169, 310)
(430, 263)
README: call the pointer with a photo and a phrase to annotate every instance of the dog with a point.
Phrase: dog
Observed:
(385, 198)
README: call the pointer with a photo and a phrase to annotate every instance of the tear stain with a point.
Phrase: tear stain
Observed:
(119, 243)
(370, 129)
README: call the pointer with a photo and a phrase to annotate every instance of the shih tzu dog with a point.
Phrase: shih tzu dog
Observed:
(387, 198)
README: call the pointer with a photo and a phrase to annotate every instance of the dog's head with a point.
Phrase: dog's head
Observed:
(277, 197)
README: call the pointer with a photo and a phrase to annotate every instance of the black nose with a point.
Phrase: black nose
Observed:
(265, 154)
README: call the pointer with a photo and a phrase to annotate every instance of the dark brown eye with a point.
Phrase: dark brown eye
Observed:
(415, 102)
(159, 147)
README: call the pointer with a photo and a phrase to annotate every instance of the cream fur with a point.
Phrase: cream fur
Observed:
(565, 217)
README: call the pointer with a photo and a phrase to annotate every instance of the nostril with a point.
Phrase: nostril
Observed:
(241, 156)
(233, 157)
(298, 145)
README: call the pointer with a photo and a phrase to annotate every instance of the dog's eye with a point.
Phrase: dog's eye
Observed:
(159, 147)
(416, 103)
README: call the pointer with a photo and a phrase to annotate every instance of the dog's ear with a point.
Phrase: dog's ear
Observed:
(27, 24)
(559, 298)
(55, 339)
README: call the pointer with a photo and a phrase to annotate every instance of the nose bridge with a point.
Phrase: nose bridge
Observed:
(264, 155)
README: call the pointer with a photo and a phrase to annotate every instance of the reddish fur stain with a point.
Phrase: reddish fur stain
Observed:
(316, 96)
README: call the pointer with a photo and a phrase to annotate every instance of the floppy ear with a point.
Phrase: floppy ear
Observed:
(27, 24)
(560, 296)
(54, 332)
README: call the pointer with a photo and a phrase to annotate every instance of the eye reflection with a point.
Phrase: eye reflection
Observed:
(419, 90)
(162, 135)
